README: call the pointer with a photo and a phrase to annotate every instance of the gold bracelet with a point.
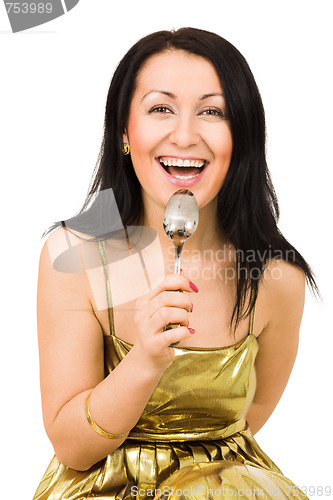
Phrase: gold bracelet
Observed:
(97, 427)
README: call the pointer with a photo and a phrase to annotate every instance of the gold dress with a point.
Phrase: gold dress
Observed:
(192, 441)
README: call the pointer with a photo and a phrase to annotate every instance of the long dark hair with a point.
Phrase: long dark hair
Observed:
(248, 209)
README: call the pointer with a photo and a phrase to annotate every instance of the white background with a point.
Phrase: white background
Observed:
(54, 81)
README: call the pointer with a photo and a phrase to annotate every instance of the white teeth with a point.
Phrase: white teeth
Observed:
(186, 176)
(182, 163)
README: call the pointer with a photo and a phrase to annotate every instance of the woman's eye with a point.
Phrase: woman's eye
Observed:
(213, 112)
(160, 110)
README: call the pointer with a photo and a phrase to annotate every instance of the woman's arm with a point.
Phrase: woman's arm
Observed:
(283, 291)
(72, 366)
(72, 362)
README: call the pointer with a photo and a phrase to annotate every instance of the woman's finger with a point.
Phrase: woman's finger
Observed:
(167, 315)
(175, 335)
(170, 299)
(172, 282)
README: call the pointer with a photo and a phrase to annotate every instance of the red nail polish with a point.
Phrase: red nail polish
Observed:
(191, 308)
(191, 330)
(194, 287)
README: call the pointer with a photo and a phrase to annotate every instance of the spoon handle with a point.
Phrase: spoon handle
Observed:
(178, 252)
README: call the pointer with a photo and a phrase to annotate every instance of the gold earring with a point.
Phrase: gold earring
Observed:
(126, 148)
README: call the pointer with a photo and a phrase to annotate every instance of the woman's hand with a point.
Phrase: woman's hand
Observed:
(155, 310)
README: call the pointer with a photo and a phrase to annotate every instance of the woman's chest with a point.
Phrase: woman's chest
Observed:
(210, 318)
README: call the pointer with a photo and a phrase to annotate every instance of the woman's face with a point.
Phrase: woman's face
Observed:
(177, 129)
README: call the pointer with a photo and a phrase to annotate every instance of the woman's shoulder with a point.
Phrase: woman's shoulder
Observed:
(281, 293)
(66, 249)
(61, 267)
(69, 266)
(283, 278)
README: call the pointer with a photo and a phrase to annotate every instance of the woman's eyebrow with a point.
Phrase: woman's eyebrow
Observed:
(165, 92)
(173, 96)
(213, 94)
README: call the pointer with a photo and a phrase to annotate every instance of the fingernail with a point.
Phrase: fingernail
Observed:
(191, 308)
(191, 330)
(194, 287)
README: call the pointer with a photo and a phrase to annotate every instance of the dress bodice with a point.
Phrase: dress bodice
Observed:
(204, 394)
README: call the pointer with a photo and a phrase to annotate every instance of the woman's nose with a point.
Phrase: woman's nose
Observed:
(184, 132)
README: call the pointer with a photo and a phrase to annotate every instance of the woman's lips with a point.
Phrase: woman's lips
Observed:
(190, 177)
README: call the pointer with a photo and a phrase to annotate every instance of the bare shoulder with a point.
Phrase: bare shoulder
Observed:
(63, 280)
(63, 247)
(280, 275)
(282, 292)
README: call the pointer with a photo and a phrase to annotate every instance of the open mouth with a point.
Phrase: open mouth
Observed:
(182, 169)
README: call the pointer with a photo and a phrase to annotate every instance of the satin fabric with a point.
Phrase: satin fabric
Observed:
(192, 440)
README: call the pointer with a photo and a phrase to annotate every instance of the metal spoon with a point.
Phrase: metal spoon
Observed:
(180, 221)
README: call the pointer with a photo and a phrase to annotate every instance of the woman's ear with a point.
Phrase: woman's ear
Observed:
(125, 137)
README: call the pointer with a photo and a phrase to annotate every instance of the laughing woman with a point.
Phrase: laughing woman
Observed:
(128, 415)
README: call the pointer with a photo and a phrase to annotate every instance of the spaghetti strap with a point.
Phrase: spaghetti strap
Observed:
(108, 288)
(251, 321)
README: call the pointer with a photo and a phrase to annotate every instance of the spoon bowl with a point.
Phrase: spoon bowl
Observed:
(180, 220)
